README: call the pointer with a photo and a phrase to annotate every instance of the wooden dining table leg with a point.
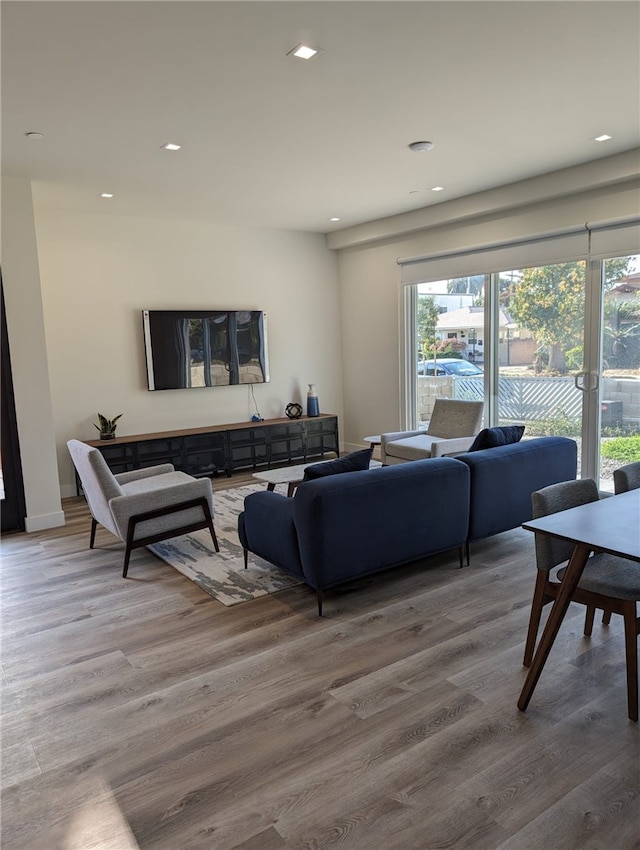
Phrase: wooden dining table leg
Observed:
(568, 585)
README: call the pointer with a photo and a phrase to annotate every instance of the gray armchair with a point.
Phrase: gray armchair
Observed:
(143, 506)
(451, 430)
(626, 478)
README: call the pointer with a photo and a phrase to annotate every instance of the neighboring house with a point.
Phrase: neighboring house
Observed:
(517, 347)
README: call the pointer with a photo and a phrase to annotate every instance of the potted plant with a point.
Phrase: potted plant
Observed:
(107, 427)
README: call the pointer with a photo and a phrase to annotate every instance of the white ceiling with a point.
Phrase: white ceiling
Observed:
(505, 90)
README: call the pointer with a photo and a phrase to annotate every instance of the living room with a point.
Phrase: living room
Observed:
(79, 269)
(327, 295)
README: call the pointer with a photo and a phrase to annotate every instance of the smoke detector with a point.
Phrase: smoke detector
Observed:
(420, 146)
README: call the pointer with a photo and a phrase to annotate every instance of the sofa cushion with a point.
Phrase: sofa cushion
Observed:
(349, 463)
(490, 438)
(412, 448)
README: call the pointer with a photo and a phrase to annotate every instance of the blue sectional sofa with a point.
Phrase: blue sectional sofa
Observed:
(342, 527)
(503, 479)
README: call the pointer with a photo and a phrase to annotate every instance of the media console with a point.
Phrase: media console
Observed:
(225, 448)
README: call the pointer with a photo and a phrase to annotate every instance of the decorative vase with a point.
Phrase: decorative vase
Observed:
(313, 405)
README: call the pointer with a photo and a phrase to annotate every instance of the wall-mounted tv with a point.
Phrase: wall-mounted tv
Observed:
(205, 348)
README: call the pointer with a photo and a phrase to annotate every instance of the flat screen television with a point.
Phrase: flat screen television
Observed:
(205, 348)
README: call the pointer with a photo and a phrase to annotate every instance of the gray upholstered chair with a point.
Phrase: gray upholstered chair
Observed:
(451, 430)
(142, 506)
(609, 583)
(626, 478)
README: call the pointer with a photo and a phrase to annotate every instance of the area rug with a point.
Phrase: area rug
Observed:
(222, 574)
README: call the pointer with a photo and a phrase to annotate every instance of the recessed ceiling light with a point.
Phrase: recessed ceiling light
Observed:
(420, 147)
(304, 51)
(32, 135)
(437, 188)
(106, 195)
(334, 218)
(602, 138)
(170, 146)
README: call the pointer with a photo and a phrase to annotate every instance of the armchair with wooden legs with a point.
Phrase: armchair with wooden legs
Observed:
(142, 506)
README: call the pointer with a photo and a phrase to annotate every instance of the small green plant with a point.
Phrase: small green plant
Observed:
(107, 427)
(623, 449)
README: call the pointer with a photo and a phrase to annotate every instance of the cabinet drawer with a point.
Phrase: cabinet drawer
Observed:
(321, 437)
(118, 458)
(286, 442)
(162, 451)
(206, 454)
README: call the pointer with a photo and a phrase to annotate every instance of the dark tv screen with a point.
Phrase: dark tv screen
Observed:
(205, 348)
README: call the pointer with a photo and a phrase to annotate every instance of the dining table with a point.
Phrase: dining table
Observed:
(610, 524)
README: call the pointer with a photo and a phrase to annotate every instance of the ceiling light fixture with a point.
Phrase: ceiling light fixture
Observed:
(304, 51)
(334, 218)
(602, 138)
(106, 195)
(437, 188)
(421, 147)
(32, 135)
(171, 146)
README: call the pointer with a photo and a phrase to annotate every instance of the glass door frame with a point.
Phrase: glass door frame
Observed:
(590, 377)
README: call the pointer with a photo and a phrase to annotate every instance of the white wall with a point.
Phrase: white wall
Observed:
(25, 331)
(99, 272)
(371, 293)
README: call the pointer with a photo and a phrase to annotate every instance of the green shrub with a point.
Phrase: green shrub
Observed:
(624, 449)
(559, 425)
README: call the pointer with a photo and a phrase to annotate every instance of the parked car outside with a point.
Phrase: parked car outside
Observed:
(448, 366)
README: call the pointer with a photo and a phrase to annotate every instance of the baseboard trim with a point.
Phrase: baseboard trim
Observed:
(44, 521)
(68, 491)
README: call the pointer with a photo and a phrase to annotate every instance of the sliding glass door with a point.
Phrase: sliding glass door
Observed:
(619, 367)
(549, 346)
(540, 349)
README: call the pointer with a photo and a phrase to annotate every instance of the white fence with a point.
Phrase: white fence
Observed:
(530, 399)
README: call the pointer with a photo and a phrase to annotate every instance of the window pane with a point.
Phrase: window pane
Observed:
(450, 337)
(541, 349)
(620, 378)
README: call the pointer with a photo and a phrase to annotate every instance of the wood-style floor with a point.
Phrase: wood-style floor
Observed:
(141, 713)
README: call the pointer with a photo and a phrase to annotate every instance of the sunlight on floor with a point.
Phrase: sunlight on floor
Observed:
(99, 825)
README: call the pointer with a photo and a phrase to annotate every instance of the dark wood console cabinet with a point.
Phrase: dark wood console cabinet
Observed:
(226, 448)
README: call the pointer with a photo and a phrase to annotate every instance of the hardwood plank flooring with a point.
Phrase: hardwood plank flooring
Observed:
(141, 713)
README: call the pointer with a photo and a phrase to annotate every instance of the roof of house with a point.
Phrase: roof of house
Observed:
(469, 317)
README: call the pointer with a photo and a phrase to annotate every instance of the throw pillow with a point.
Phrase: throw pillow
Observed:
(489, 438)
(349, 463)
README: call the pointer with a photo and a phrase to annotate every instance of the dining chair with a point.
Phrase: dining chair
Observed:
(142, 506)
(608, 583)
(626, 478)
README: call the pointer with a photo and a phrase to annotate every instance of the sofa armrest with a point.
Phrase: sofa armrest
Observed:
(126, 506)
(390, 436)
(266, 528)
(139, 474)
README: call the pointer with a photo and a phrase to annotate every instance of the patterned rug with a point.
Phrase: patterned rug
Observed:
(222, 574)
